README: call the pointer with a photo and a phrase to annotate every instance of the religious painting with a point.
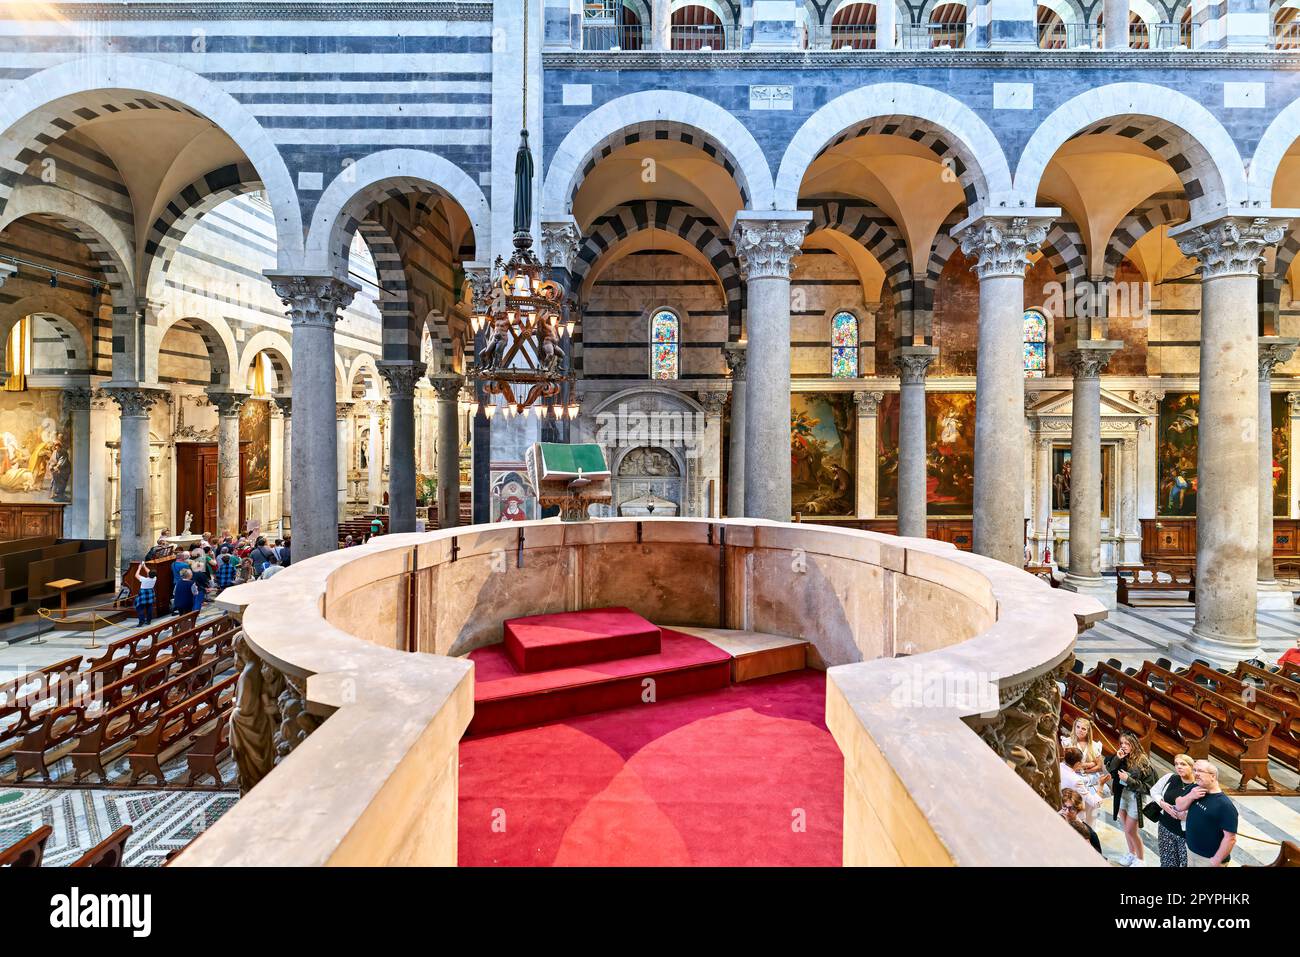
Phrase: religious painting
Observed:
(1061, 479)
(1281, 455)
(255, 430)
(949, 459)
(35, 447)
(513, 498)
(823, 443)
(1176, 447)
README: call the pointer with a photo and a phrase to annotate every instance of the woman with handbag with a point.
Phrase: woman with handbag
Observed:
(1173, 844)
(1131, 771)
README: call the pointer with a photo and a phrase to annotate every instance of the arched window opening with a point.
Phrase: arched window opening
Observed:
(844, 346)
(1035, 344)
(665, 330)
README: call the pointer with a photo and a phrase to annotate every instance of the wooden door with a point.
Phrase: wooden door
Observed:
(196, 485)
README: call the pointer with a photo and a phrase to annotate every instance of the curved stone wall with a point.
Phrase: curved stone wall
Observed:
(375, 783)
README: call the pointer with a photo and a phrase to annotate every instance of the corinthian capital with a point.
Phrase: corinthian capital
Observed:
(913, 362)
(560, 239)
(77, 398)
(134, 400)
(1088, 357)
(401, 377)
(868, 403)
(479, 277)
(228, 401)
(1273, 351)
(734, 353)
(447, 385)
(1002, 246)
(1231, 245)
(766, 243)
(312, 300)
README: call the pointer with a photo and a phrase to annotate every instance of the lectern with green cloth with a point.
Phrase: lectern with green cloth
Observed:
(571, 477)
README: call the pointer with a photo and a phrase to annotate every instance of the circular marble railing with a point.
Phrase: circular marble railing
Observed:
(939, 662)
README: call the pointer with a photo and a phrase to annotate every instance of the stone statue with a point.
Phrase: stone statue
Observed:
(189, 520)
(551, 353)
(254, 720)
(493, 353)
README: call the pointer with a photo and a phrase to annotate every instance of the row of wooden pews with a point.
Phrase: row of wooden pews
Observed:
(154, 696)
(1248, 718)
(30, 851)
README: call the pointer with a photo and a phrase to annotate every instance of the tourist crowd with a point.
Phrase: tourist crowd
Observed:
(200, 573)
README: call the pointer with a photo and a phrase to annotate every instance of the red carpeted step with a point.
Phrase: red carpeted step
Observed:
(543, 642)
(506, 698)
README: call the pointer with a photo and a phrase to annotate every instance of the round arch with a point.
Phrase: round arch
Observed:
(268, 340)
(951, 128)
(216, 336)
(1180, 130)
(1278, 138)
(37, 104)
(364, 362)
(670, 113)
(336, 214)
(45, 200)
(52, 306)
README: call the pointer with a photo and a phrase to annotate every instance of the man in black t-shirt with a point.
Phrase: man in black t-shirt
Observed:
(1211, 824)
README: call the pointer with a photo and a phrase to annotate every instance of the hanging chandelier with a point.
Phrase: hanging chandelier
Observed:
(522, 327)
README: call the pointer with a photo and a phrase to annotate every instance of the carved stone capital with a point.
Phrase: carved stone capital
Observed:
(767, 244)
(1149, 399)
(77, 399)
(447, 385)
(713, 402)
(560, 241)
(1231, 245)
(1273, 351)
(1086, 360)
(402, 377)
(343, 410)
(479, 277)
(228, 402)
(913, 362)
(868, 403)
(734, 354)
(285, 404)
(1002, 246)
(313, 300)
(134, 401)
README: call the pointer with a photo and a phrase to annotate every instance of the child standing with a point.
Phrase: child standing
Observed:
(144, 598)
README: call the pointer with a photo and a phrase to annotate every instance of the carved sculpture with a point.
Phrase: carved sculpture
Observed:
(255, 716)
(1024, 734)
(295, 722)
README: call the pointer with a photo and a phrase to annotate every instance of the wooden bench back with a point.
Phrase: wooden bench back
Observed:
(108, 852)
(1275, 683)
(29, 852)
(1112, 715)
(1186, 726)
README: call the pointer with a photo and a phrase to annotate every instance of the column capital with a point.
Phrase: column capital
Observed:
(284, 403)
(1149, 399)
(228, 401)
(1002, 245)
(1273, 351)
(713, 401)
(1088, 357)
(402, 376)
(735, 354)
(342, 410)
(133, 399)
(913, 362)
(447, 385)
(1231, 244)
(766, 242)
(479, 277)
(313, 300)
(868, 403)
(560, 241)
(78, 398)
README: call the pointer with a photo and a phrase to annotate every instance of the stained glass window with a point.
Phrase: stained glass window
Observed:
(1035, 344)
(844, 346)
(663, 345)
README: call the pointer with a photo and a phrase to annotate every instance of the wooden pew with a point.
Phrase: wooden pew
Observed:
(1180, 729)
(1240, 734)
(132, 646)
(1290, 670)
(1288, 855)
(1153, 576)
(108, 852)
(19, 697)
(1112, 715)
(1273, 682)
(28, 852)
(1284, 743)
(178, 728)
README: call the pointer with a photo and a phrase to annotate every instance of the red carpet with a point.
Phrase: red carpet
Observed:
(744, 775)
(542, 642)
(505, 698)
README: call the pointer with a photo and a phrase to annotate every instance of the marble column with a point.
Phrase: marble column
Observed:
(1270, 594)
(709, 454)
(343, 440)
(1001, 248)
(76, 517)
(1086, 358)
(401, 376)
(661, 19)
(766, 244)
(285, 405)
(868, 459)
(734, 354)
(136, 532)
(448, 386)
(374, 457)
(1231, 250)
(1114, 33)
(314, 303)
(886, 17)
(913, 363)
(228, 403)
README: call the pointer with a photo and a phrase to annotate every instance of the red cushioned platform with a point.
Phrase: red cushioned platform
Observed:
(542, 642)
(506, 698)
